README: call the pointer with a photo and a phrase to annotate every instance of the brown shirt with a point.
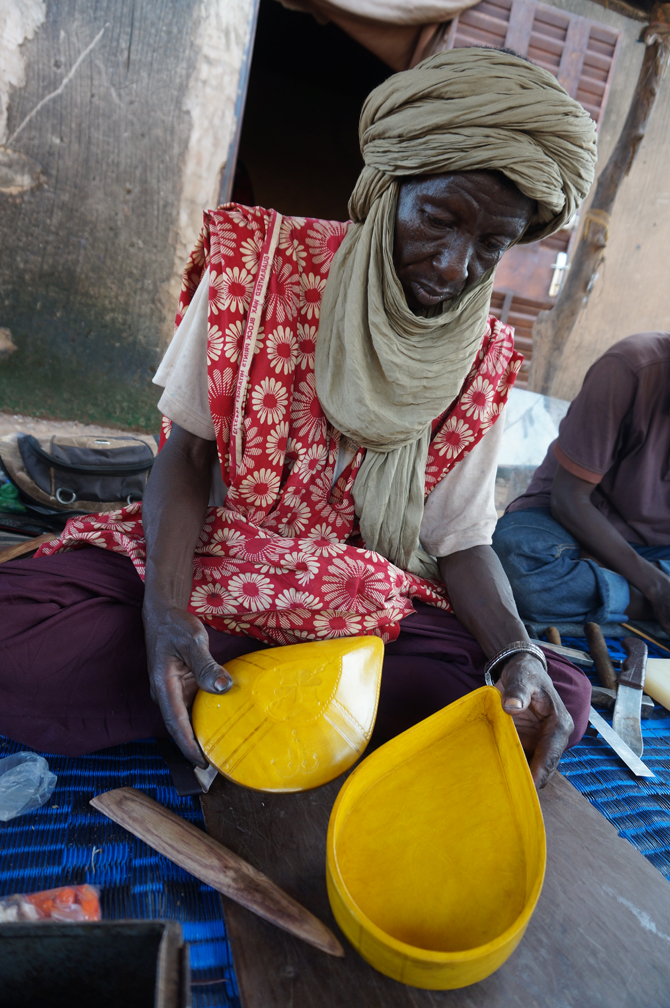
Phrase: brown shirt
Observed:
(616, 435)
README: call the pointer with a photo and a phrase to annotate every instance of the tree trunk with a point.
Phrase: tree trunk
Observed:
(552, 328)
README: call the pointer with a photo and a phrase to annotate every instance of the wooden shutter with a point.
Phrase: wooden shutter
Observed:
(596, 75)
(485, 24)
(579, 52)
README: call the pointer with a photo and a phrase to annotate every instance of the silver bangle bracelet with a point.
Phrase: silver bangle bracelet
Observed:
(516, 647)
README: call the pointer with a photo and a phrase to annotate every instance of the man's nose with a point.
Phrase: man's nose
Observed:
(453, 263)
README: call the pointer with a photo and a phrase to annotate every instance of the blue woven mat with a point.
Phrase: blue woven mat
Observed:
(639, 807)
(68, 842)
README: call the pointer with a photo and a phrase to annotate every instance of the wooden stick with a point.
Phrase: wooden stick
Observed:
(600, 655)
(213, 864)
(640, 633)
(552, 328)
(29, 546)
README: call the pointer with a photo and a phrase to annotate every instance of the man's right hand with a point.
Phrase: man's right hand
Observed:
(572, 507)
(658, 596)
(179, 664)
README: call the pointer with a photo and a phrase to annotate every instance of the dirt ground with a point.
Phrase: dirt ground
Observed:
(9, 423)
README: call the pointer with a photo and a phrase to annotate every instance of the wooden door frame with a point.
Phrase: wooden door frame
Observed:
(228, 171)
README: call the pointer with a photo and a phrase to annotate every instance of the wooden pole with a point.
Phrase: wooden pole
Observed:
(29, 546)
(552, 328)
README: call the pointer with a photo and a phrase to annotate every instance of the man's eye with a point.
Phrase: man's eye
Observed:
(436, 222)
(494, 245)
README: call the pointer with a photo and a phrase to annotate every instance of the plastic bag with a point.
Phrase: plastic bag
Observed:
(9, 499)
(68, 903)
(25, 783)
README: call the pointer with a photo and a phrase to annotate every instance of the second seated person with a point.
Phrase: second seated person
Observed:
(590, 538)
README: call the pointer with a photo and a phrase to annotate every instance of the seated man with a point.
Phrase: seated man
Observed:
(332, 390)
(590, 538)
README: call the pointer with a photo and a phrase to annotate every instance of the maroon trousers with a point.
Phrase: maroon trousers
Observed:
(73, 673)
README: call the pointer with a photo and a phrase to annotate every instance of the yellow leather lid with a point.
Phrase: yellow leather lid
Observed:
(436, 848)
(296, 717)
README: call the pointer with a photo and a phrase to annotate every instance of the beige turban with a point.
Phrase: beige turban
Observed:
(382, 372)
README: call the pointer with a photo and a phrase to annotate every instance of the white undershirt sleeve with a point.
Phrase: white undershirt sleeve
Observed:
(460, 512)
(183, 370)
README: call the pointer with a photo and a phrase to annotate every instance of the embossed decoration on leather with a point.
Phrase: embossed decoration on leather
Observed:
(296, 717)
(297, 693)
(298, 760)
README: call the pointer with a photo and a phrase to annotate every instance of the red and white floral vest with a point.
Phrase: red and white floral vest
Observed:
(282, 561)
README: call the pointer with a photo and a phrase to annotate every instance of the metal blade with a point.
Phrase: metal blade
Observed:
(602, 697)
(578, 657)
(619, 746)
(626, 720)
(205, 777)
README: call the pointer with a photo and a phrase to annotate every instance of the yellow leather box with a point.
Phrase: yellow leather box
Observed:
(296, 717)
(436, 848)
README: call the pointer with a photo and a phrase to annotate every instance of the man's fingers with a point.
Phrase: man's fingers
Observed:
(544, 725)
(213, 678)
(554, 737)
(547, 754)
(182, 733)
(177, 721)
(514, 701)
(209, 675)
(182, 663)
(516, 695)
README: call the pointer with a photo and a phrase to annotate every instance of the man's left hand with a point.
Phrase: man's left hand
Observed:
(543, 723)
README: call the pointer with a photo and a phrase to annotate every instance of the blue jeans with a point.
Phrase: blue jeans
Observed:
(550, 581)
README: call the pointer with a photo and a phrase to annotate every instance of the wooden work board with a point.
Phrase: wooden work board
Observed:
(599, 938)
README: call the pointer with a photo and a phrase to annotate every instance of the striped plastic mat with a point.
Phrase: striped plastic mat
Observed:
(638, 807)
(68, 842)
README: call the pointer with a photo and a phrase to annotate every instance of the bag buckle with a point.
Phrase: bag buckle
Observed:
(60, 496)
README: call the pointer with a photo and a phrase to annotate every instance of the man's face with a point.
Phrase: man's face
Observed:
(450, 229)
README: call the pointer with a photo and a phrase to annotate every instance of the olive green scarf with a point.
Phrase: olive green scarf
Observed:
(382, 373)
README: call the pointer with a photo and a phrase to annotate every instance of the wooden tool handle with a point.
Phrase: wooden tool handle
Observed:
(29, 546)
(600, 655)
(552, 635)
(213, 864)
(635, 666)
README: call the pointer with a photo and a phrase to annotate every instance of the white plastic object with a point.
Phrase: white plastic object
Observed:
(657, 680)
(25, 783)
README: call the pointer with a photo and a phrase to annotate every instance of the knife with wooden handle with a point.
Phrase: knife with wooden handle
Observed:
(213, 864)
(574, 655)
(626, 719)
(600, 655)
